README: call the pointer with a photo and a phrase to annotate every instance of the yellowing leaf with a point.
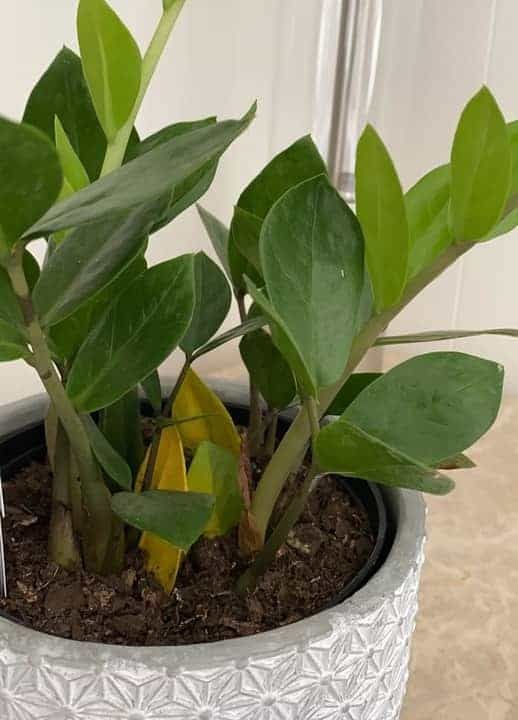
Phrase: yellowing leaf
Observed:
(163, 560)
(195, 398)
(214, 471)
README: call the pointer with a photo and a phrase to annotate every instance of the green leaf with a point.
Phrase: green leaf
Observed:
(432, 406)
(245, 232)
(144, 179)
(240, 267)
(301, 161)
(212, 303)
(153, 391)
(344, 448)
(111, 62)
(437, 335)
(268, 369)
(121, 425)
(89, 259)
(350, 390)
(480, 169)
(381, 210)
(284, 340)
(175, 516)
(312, 260)
(62, 92)
(32, 177)
(109, 459)
(247, 327)
(218, 235)
(73, 170)
(12, 343)
(68, 335)
(138, 332)
(187, 192)
(214, 471)
(427, 206)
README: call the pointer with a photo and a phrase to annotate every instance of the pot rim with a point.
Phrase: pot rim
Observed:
(408, 511)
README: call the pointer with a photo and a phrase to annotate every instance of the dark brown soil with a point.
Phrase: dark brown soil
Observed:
(326, 549)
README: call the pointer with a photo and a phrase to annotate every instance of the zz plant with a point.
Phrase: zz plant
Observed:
(316, 286)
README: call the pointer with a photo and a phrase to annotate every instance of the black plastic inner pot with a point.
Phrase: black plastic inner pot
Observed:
(19, 448)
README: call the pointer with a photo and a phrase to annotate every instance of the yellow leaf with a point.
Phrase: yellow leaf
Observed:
(163, 560)
(195, 398)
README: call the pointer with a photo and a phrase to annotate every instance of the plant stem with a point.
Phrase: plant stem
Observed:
(295, 441)
(117, 148)
(271, 435)
(255, 422)
(96, 499)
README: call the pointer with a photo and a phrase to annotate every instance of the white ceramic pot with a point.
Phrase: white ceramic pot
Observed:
(347, 663)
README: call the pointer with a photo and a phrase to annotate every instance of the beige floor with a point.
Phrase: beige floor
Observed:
(465, 658)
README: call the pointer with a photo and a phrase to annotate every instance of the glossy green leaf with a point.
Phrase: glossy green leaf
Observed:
(214, 471)
(350, 390)
(175, 516)
(381, 210)
(301, 161)
(62, 92)
(312, 259)
(344, 448)
(68, 335)
(145, 179)
(138, 332)
(284, 340)
(268, 369)
(427, 206)
(111, 62)
(73, 170)
(218, 235)
(121, 425)
(480, 169)
(109, 459)
(32, 177)
(245, 232)
(437, 335)
(187, 192)
(153, 390)
(241, 267)
(12, 343)
(212, 303)
(89, 259)
(432, 406)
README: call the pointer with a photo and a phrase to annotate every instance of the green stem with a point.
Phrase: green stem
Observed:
(96, 499)
(295, 441)
(255, 422)
(117, 148)
(271, 435)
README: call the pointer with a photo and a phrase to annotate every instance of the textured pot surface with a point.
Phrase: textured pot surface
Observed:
(349, 662)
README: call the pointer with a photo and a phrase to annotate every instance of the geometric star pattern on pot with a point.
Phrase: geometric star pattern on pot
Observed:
(357, 671)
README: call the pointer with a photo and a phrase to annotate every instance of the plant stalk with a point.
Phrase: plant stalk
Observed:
(296, 439)
(117, 148)
(255, 422)
(95, 496)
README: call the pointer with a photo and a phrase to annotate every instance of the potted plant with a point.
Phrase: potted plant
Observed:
(136, 540)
